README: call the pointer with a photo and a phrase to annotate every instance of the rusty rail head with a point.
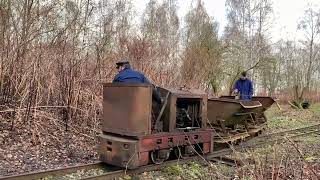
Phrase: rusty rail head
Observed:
(54, 172)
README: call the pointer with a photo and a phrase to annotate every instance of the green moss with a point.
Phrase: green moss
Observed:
(192, 170)
(266, 150)
(272, 112)
(175, 170)
(196, 169)
(292, 119)
(310, 158)
(127, 177)
(311, 139)
(315, 108)
(225, 170)
(285, 122)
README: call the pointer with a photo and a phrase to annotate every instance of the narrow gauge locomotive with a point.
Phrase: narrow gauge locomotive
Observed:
(137, 131)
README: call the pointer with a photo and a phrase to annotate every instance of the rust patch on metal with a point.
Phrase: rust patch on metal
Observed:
(127, 109)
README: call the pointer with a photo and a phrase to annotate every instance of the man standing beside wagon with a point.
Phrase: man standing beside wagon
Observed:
(243, 87)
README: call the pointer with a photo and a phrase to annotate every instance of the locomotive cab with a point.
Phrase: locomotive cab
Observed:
(188, 115)
(185, 110)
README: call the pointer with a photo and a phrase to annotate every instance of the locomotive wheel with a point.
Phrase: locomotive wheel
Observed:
(185, 151)
(179, 152)
(159, 156)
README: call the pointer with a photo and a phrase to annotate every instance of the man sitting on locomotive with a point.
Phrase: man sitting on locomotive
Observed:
(244, 87)
(127, 75)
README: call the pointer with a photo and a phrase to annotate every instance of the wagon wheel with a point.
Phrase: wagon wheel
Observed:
(159, 156)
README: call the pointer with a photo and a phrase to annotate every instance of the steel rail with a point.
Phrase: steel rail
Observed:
(298, 131)
(293, 130)
(116, 172)
(55, 172)
(153, 167)
(224, 160)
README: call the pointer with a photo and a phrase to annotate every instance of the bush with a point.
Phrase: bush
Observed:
(305, 105)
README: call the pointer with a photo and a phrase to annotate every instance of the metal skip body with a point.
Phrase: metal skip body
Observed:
(229, 111)
(266, 102)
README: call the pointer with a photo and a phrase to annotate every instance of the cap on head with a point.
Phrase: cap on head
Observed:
(122, 63)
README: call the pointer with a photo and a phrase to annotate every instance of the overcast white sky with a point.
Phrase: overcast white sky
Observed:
(286, 14)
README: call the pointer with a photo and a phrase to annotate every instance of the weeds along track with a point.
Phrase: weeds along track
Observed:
(100, 170)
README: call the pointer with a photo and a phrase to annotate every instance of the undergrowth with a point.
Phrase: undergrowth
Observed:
(288, 118)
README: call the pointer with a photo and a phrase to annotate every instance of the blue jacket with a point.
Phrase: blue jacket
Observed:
(130, 76)
(245, 88)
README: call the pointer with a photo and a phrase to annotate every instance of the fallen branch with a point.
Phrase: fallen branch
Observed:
(293, 106)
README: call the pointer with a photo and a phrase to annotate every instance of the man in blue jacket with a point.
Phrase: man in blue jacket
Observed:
(127, 75)
(244, 87)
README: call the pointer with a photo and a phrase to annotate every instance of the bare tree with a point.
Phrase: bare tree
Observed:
(246, 37)
(310, 24)
(160, 30)
(202, 51)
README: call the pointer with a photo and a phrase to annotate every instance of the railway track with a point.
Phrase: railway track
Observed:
(58, 171)
(273, 137)
(109, 172)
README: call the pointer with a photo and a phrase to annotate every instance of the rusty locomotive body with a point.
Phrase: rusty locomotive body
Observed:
(138, 131)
